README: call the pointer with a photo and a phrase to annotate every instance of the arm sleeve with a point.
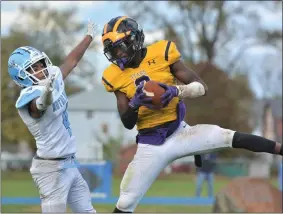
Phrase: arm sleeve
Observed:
(129, 118)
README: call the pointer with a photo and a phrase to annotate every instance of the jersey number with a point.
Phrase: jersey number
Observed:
(66, 121)
(140, 79)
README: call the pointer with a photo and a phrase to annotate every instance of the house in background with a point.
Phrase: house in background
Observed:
(94, 117)
(267, 118)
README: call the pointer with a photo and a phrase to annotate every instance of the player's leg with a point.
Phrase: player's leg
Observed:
(280, 175)
(79, 198)
(205, 138)
(256, 143)
(53, 189)
(210, 181)
(199, 139)
(147, 164)
(200, 180)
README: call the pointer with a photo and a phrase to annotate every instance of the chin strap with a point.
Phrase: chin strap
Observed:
(121, 63)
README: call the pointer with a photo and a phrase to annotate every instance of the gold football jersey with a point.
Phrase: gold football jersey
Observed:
(155, 66)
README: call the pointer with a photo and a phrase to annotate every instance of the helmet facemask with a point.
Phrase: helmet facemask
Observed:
(36, 75)
(122, 51)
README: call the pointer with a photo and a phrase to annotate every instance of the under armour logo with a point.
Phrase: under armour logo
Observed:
(151, 62)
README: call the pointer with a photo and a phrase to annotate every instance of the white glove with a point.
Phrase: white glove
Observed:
(91, 28)
(49, 85)
(46, 97)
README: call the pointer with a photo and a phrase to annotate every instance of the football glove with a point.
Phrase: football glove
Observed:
(170, 93)
(140, 98)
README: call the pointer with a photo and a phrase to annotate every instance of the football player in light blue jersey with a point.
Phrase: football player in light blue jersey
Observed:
(42, 105)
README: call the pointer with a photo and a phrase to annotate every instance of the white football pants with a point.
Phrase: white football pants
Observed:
(60, 183)
(150, 160)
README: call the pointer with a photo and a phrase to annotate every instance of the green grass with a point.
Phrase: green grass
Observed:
(109, 208)
(20, 184)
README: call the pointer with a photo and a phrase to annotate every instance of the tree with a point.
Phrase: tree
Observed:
(55, 32)
(227, 104)
(196, 26)
(223, 104)
(13, 129)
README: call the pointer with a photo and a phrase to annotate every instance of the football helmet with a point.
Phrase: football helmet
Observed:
(122, 38)
(20, 66)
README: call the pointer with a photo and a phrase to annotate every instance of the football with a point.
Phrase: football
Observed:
(152, 89)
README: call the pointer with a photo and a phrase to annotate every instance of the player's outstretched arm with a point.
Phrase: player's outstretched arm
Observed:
(184, 74)
(194, 85)
(77, 53)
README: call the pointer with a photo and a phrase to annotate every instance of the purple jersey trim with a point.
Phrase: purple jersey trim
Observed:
(158, 135)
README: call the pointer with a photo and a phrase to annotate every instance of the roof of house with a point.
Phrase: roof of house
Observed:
(97, 99)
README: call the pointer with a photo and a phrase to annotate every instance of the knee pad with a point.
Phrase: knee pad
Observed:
(127, 203)
(223, 136)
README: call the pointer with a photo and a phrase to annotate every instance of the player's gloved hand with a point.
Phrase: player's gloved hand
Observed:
(170, 93)
(46, 97)
(140, 98)
(49, 85)
(91, 28)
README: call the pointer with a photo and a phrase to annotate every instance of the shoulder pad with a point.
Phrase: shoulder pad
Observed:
(109, 77)
(168, 50)
(27, 95)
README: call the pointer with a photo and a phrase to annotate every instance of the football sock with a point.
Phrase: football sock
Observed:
(255, 143)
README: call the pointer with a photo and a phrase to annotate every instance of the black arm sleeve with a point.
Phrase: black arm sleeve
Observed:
(129, 118)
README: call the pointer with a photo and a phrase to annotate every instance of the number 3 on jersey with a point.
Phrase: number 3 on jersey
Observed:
(66, 122)
(140, 79)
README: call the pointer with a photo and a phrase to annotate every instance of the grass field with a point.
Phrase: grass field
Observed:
(20, 184)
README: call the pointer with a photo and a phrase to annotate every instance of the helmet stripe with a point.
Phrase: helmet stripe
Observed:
(118, 23)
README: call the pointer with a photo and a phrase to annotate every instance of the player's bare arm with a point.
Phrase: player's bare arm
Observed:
(128, 115)
(77, 53)
(194, 85)
(185, 74)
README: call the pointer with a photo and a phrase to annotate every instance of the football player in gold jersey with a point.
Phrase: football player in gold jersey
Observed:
(163, 136)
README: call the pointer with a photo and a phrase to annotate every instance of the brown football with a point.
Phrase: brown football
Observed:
(152, 89)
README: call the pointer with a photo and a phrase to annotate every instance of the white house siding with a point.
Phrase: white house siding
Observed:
(86, 129)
